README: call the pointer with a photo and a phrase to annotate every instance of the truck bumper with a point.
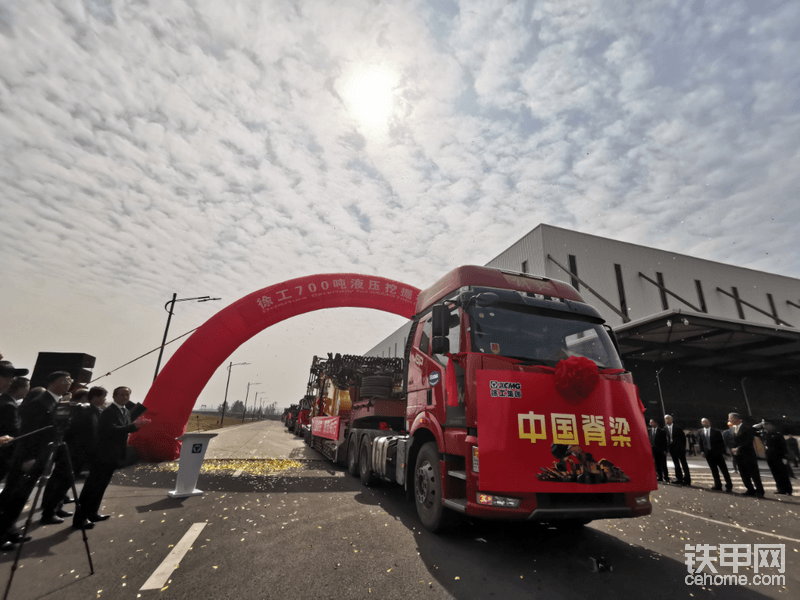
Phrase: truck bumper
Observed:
(559, 507)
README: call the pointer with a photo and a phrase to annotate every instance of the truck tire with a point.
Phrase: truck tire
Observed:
(428, 490)
(352, 456)
(365, 463)
(376, 386)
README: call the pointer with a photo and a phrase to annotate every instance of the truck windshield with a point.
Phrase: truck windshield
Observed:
(539, 336)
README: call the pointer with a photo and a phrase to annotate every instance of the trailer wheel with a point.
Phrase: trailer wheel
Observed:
(365, 463)
(352, 454)
(428, 490)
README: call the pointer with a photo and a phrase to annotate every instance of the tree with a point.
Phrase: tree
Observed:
(238, 407)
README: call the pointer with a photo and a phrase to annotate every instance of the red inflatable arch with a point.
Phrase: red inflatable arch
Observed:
(173, 394)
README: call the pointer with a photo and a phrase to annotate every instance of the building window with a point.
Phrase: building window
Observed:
(700, 295)
(573, 267)
(623, 303)
(524, 266)
(664, 303)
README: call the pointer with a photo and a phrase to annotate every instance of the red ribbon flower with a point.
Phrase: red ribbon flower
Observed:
(576, 377)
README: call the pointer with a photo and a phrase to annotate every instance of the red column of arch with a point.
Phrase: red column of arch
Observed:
(173, 394)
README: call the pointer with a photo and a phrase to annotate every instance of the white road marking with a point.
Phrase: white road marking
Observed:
(732, 526)
(167, 567)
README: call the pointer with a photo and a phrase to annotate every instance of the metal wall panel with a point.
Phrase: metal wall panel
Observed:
(596, 257)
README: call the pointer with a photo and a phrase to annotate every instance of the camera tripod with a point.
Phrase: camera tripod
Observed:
(52, 449)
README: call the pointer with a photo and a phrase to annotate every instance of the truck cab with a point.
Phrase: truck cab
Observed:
(517, 385)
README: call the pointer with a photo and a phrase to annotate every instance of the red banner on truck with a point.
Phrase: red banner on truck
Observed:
(325, 427)
(534, 439)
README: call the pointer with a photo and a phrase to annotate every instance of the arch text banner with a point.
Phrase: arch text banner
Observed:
(173, 394)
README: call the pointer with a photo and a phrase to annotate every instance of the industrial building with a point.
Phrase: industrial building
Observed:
(701, 338)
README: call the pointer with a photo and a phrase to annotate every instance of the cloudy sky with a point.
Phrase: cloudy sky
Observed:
(214, 148)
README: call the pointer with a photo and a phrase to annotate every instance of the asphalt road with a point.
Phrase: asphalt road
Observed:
(315, 532)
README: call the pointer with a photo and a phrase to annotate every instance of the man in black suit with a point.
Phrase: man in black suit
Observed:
(743, 436)
(81, 437)
(727, 437)
(658, 444)
(676, 441)
(11, 428)
(777, 452)
(9, 416)
(713, 448)
(30, 453)
(114, 425)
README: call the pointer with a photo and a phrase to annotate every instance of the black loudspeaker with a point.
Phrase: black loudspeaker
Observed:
(76, 364)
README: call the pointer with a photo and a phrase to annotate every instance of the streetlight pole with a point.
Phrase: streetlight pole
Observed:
(225, 402)
(171, 305)
(661, 395)
(244, 412)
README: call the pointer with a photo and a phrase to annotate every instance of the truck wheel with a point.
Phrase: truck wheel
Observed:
(365, 463)
(428, 490)
(352, 454)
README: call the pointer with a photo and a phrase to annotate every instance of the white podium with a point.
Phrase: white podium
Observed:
(193, 450)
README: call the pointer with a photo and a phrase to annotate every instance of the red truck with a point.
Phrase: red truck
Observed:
(510, 402)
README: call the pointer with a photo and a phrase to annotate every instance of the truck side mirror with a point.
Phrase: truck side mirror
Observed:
(440, 345)
(439, 318)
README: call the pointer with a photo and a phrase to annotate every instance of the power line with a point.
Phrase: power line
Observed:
(143, 355)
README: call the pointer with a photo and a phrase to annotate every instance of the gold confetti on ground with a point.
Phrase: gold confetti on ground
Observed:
(266, 466)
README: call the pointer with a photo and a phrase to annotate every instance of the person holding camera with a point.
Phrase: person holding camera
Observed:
(80, 438)
(30, 453)
(114, 425)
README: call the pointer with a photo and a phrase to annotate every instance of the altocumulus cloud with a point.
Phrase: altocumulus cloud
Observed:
(171, 145)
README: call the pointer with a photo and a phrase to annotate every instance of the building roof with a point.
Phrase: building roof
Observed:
(699, 340)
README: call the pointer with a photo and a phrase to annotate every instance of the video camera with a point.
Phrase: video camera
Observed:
(66, 413)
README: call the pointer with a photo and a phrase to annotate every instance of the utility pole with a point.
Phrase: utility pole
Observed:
(225, 402)
(244, 410)
(169, 310)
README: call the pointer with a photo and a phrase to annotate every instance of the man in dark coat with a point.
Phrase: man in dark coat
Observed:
(81, 437)
(777, 452)
(658, 444)
(713, 448)
(9, 417)
(727, 437)
(114, 425)
(676, 441)
(8, 375)
(30, 453)
(743, 436)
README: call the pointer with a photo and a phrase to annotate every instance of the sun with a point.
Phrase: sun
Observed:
(368, 92)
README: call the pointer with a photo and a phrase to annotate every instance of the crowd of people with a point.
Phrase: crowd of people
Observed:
(714, 444)
(60, 430)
